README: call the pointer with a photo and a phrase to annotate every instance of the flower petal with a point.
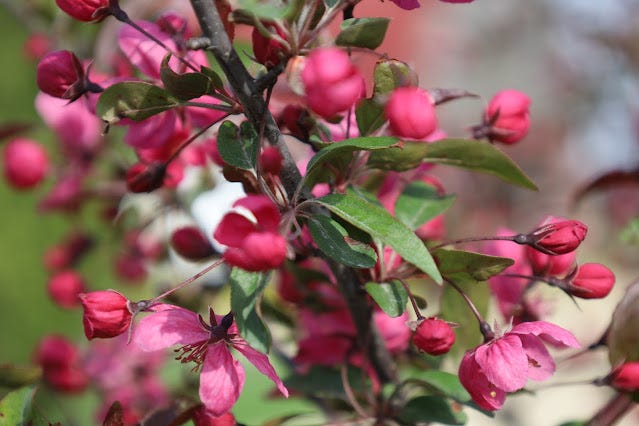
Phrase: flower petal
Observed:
(221, 380)
(169, 325)
(540, 364)
(484, 393)
(265, 211)
(260, 361)
(504, 362)
(233, 229)
(548, 332)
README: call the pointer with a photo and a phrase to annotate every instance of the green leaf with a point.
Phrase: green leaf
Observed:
(14, 376)
(246, 289)
(362, 32)
(445, 383)
(380, 224)
(16, 407)
(238, 146)
(467, 154)
(430, 408)
(185, 86)
(341, 153)
(419, 203)
(215, 79)
(468, 267)
(391, 297)
(370, 116)
(334, 241)
(133, 99)
(390, 74)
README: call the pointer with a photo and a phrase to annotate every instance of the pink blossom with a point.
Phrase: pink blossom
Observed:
(592, 281)
(85, 10)
(407, 4)
(505, 363)
(253, 244)
(25, 163)
(508, 116)
(411, 113)
(221, 377)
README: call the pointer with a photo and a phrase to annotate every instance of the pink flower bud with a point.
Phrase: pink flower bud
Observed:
(106, 314)
(85, 10)
(559, 237)
(508, 116)
(58, 72)
(64, 288)
(60, 362)
(191, 243)
(130, 268)
(25, 163)
(296, 119)
(36, 45)
(411, 113)
(551, 265)
(626, 377)
(592, 281)
(434, 336)
(268, 51)
(203, 417)
(331, 81)
(271, 160)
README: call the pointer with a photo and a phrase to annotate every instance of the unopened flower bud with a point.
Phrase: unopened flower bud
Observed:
(203, 417)
(85, 10)
(297, 120)
(267, 50)
(556, 238)
(271, 160)
(60, 362)
(59, 73)
(411, 113)
(25, 163)
(106, 314)
(434, 336)
(145, 177)
(332, 83)
(626, 377)
(64, 288)
(592, 281)
(191, 243)
(507, 117)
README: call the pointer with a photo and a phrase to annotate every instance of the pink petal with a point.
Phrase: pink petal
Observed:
(265, 211)
(145, 54)
(153, 132)
(540, 364)
(484, 393)
(261, 362)
(221, 380)
(233, 229)
(548, 332)
(504, 362)
(167, 326)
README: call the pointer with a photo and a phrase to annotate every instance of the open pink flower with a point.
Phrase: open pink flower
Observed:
(505, 363)
(222, 376)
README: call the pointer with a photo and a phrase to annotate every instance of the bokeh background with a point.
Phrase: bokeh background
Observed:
(577, 59)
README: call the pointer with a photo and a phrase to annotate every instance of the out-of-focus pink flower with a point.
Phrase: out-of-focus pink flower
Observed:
(61, 364)
(106, 314)
(253, 244)
(556, 236)
(85, 10)
(331, 82)
(407, 4)
(25, 163)
(154, 132)
(203, 417)
(222, 377)
(64, 288)
(191, 243)
(37, 45)
(505, 363)
(626, 377)
(411, 113)
(145, 54)
(508, 116)
(592, 281)
(271, 160)
(434, 336)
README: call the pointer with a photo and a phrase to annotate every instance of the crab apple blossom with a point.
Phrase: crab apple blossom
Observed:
(191, 243)
(411, 113)
(106, 314)
(252, 244)
(85, 10)
(271, 160)
(331, 82)
(434, 336)
(553, 265)
(25, 163)
(557, 237)
(202, 417)
(221, 377)
(60, 74)
(505, 363)
(267, 50)
(507, 116)
(591, 281)
(64, 288)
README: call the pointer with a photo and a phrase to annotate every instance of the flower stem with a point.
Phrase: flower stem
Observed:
(484, 327)
(418, 314)
(472, 240)
(187, 281)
